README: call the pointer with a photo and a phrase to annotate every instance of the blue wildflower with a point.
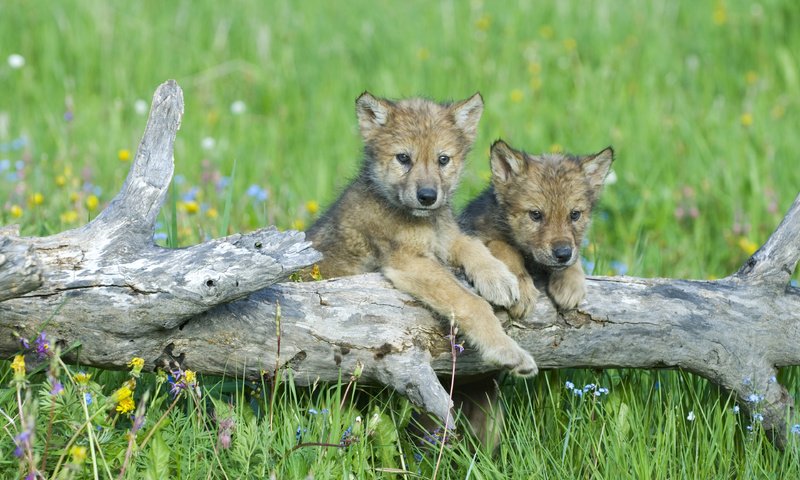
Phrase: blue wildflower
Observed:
(346, 436)
(736, 409)
(755, 398)
(88, 397)
(5, 164)
(257, 193)
(619, 267)
(159, 236)
(191, 195)
(569, 385)
(757, 417)
(796, 429)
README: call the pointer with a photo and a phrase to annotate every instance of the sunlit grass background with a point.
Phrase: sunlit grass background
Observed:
(699, 99)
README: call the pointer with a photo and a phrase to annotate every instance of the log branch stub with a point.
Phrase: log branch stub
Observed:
(775, 262)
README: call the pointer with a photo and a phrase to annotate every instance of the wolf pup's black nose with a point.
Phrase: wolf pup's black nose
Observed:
(562, 253)
(426, 196)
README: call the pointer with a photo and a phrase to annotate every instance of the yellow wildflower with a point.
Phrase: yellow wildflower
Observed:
(124, 155)
(570, 44)
(78, 454)
(720, 15)
(70, 216)
(92, 202)
(36, 199)
(83, 377)
(423, 54)
(315, 273)
(16, 211)
(746, 119)
(121, 394)
(484, 22)
(212, 117)
(190, 376)
(18, 365)
(212, 213)
(74, 196)
(191, 207)
(136, 364)
(126, 405)
(298, 224)
(61, 180)
(312, 207)
(547, 32)
(517, 95)
(748, 246)
(556, 148)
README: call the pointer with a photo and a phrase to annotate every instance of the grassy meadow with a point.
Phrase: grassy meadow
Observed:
(700, 100)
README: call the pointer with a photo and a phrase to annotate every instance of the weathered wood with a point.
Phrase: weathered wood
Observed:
(19, 268)
(109, 288)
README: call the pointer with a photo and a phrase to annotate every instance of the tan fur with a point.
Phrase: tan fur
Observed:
(537, 210)
(396, 218)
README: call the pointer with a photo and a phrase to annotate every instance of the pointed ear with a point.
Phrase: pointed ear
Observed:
(467, 113)
(505, 161)
(372, 112)
(596, 167)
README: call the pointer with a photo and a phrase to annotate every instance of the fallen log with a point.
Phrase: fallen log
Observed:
(213, 307)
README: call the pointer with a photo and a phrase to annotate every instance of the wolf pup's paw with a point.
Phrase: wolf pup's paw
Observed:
(568, 288)
(497, 284)
(527, 298)
(512, 357)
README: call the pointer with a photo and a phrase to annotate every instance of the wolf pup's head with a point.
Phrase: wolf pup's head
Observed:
(547, 199)
(415, 148)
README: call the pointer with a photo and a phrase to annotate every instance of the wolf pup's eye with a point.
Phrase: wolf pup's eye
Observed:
(403, 158)
(444, 160)
(575, 215)
(536, 215)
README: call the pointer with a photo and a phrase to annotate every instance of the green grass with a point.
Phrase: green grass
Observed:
(699, 99)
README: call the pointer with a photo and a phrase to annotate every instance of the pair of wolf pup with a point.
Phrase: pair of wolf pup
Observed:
(396, 218)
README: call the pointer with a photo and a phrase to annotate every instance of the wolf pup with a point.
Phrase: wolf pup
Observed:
(538, 208)
(395, 218)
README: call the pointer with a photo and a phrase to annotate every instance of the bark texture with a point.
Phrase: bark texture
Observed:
(213, 307)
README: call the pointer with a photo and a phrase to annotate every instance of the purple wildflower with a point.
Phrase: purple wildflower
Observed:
(42, 345)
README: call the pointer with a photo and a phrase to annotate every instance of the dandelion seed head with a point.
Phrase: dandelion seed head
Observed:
(238, 107)
(16, 61)
(140, 107)
(208, 143)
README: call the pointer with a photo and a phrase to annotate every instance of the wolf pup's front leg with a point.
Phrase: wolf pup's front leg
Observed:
(515, 262)
(429, 281)
(491, 277)
(568, 286)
